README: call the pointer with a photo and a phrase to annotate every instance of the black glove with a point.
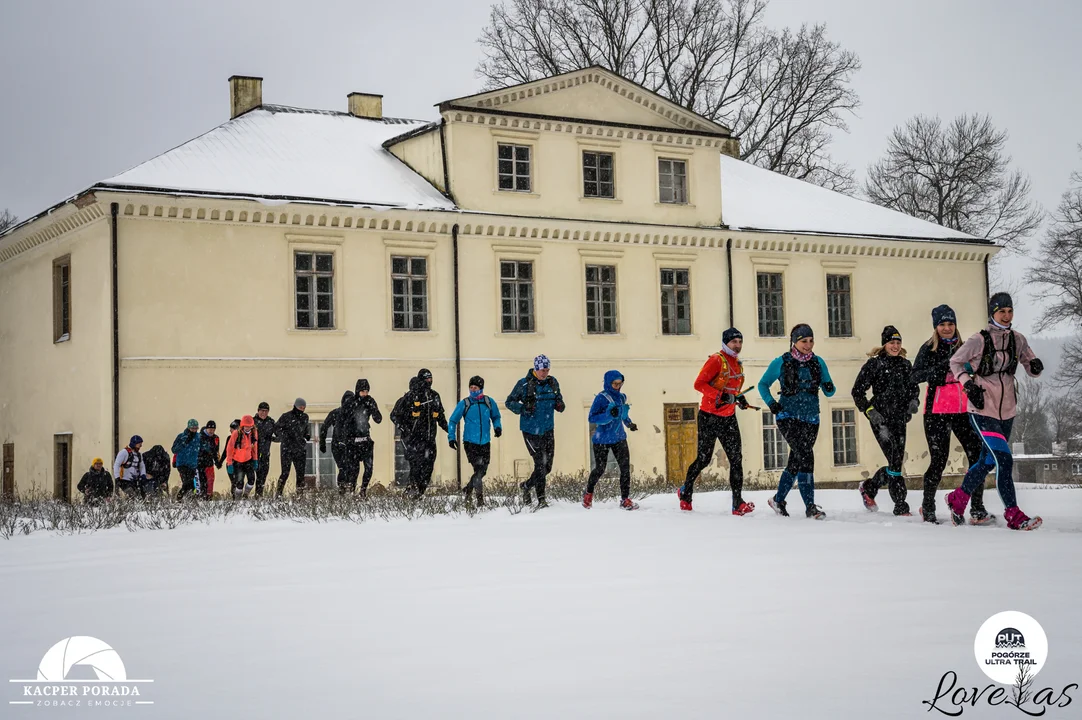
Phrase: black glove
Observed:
(614, 411)
(828, 387)
(742, 403)
(323, 446)
(528, 406)
(498, 431)
(632, 427)
(453, 444)
(724, 399)
(975, 393)
(560, 407)
(875, 416)
(1036, 366)
(914, 406)
(775, 407)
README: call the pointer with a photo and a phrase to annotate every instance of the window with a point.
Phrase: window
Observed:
(597, 181)
(1055, 466)
(612, 468)
(845, 436)
(600, 299)
(1076, 469)
(1046, 466)
(409, 293)
(314, 277)
(839, 307)
(675, 302)
(775, 449)
(771, 304)
(672, 181)
(401, 464)
(514, 167)
(516, 296)
(62, 299)
(319, 469)
(62, 467)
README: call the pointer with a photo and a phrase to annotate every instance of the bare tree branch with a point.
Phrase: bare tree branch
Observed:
(957, 176)
(781, 92)
(7, 220)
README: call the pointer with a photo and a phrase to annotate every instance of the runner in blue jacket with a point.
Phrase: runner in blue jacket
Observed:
(802, 375)
(535, 398)
(610, 413)
(481, 413)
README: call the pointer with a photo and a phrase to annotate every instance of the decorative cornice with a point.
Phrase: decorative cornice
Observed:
(16, 243)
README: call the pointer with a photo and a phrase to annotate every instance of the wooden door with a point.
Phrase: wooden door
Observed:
(681, 438)
(7, 490)
(62, 467)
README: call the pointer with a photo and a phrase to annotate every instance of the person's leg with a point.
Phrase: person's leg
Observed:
(367, 453)
(428, 465)
(895, 461)
(788, 430)
(548, 444)
(973, 446)
(338, 452)
(709, 428)
(534, 445)
(601, 460)
(623, 461)
(988, 430)
(884, 437)
(283, 457)
(807, 434)
(261, 473)
(937, 431)
(730, 442)
(353, 467)
(297, 458)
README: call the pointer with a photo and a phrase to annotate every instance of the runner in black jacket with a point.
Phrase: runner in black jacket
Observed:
(418, 414)
(264, 425)
(895, 399)
(945, 412)
(293, 432)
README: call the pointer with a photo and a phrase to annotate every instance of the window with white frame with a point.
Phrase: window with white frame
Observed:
(844, 431)
(775, 449)
(839, 306)
(62, 299)
(771, 302)
(314, 284)
(672, 178)
(409, 293)
(675, 301)
(319, 466)
(601, 299)
(516, 296)
(514, 167)
(597, 175)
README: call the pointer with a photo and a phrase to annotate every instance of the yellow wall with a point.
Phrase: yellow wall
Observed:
(424, 154)
(49, 388)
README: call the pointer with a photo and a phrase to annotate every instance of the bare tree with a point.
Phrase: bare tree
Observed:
(1058, 275)
(7, 220)
(1065, 421)
(1031, 419)
(781, 92)
(957, 176)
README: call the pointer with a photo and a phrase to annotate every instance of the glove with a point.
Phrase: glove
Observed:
(775, 407)
(875, 416)
(528, 406)
(632, 427)
(453, 444)
(497, 431)
(560, 407)
(323, 446)
(975, 393)
(229, 470)
(914, 406)
(742, 403)
(256, 468)
(724, 399)
(1036, 366)
(828, 387)
(614, 411)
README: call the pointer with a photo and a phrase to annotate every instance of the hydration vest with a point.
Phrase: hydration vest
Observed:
(988, 357)
(790, 375)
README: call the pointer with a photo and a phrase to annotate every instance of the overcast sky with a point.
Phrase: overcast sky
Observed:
(91, 89)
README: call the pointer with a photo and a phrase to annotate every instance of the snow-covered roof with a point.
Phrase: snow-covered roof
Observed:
(281, 153)
(753, 198)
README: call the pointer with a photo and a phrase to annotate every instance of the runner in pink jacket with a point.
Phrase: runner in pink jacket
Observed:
(986, 365)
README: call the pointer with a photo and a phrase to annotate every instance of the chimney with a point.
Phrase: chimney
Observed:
(365, 105)
(245, 93)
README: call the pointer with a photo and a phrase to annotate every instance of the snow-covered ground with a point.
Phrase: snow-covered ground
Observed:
(562, 613)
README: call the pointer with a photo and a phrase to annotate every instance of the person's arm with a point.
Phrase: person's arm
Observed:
(771, 376)
(221, 459)
(1027, 358)
(970, 351)
(914, 388)
(456, 416)
(325, 426)
(860, 387)
(599, 410)
(560, 406)
(926, 369)
(710, 370)
(307, 427)
(514, 399)
(279, 427)
(142, 466)
(81, 487)
(826, 383)
(118, 464)
(230, 447)
(441, 417)
(373, 408)
(176, 446)
(494, 415)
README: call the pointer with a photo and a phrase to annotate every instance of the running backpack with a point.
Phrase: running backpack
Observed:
(988, 356)
(790, 375)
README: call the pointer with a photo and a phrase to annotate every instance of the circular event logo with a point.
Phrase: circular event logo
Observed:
(82, 650)
(1006, 642)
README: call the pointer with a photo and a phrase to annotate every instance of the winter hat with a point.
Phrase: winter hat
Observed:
(478, 381)
(890, 333)
(211, 424)
(999, 301)
(363, 386)
(800, 332)
(541, 362)
(264, 406)
(425, 374)
(135, 440)
(247, 421)
(235, 424)
(97, 461)
(193, 424)
(298, 403)
(730, 334)
(942, 314)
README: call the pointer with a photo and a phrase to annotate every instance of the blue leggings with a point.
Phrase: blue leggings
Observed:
(996, 455)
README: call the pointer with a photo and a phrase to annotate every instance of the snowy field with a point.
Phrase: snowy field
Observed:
(564, 613)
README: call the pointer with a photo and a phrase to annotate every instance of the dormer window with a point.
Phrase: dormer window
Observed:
(672, 181)
(514, 168)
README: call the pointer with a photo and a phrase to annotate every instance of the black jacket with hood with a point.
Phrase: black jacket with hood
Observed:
(419, 413)
(892, 388)
(96, 484)
(293, 432)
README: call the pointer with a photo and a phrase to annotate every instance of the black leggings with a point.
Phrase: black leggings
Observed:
(801, 438)
(713, 428)
(349, 465)
(937, 430)
(479, 457)
(891, 438)
(601, 461)
(261, 473)
(542, 448)
(242, 471)
(187, 480)
(422, 460)
(296, 460)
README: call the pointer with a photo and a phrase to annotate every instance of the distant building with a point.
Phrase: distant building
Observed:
(288, 252)
(1059, 466)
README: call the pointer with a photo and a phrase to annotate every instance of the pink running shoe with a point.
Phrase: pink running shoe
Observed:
(1018, 520)
(957, 500)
